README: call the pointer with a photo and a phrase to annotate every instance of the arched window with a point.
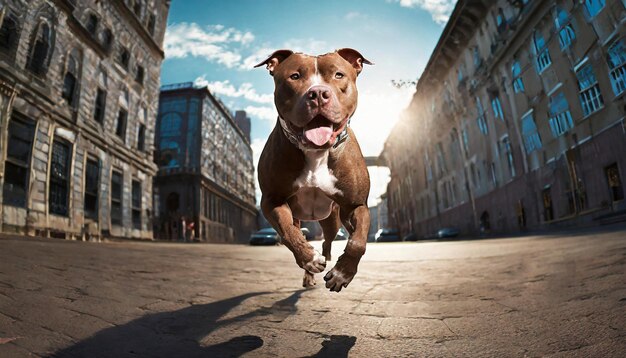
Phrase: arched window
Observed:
(9, 34)
(542, 56)
(593, 7)
(616, 59)
(70, 81)
(564, 28)
(41, 47)
(516, 73)
(92, 24)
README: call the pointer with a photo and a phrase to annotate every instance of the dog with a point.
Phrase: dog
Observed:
(312, 168)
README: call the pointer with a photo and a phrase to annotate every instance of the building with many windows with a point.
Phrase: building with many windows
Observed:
(79, 84)
(204, 189)
(517, 122)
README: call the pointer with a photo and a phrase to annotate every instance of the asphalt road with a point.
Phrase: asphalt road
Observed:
(562, 296)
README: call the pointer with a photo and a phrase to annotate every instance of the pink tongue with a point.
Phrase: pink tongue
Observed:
(319, 136)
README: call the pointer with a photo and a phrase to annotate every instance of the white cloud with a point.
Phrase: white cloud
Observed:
(308, 46)
(355, 15)
(214, 42)
(440, 10)
(265, 113)
(225, 88)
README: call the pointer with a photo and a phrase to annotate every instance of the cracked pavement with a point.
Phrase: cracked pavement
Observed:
(558, 295)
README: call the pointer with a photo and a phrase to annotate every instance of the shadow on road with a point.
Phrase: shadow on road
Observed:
(178, 333)
(336, 347)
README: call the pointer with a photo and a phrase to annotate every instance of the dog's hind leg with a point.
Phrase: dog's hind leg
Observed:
(330, 227)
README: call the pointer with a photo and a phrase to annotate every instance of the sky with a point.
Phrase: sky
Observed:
(217, 43)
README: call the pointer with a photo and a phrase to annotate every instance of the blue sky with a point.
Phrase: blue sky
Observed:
(216, 43)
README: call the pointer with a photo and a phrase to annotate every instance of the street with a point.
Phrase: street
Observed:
(558, 295)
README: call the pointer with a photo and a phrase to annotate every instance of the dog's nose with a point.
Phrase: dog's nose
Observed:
(319, 94)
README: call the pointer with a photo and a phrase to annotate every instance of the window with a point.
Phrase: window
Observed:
(465, 140)
(615, 183)
(141, 137)
(460, 74)
(120, 128)
(106, 38)
(92, 24)
(70, 82)
(92, 181)
(593, 7)
(480, 120)
(590, 97)
(38, 55)
(532, 141)
(497, 108)
(617, 66)
(8, 33)
(151, 24)
(560, 117)
(139, 75)
(516, 72)
(116, 198)
(441, 158)
(136, 204)
(59, 184)
(508, 151)
(100, 105)
(123, 57)
(542, 55)
(476, 55)
(565, 29)
(137, 8)
(501, 22)
(17, 165)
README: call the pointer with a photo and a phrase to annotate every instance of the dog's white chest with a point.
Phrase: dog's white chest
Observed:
(314, 186)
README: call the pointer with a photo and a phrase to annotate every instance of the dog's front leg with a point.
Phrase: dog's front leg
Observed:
(357, 223)
(280, 216)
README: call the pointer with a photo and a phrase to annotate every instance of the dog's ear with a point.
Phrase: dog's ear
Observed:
(274, 59)
(354, 57)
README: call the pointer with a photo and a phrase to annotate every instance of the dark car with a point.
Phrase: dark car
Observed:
(342, 234)
(447, 232)
(308, 235)
(410, 237)
(267, 236)
(387, 235)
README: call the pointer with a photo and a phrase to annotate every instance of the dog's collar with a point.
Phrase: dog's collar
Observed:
(296, 139)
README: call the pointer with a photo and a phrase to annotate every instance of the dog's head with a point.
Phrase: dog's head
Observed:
(315, 95)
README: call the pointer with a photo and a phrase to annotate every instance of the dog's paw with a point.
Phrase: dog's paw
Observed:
(341, 275)
(317, 265)
(308, 280)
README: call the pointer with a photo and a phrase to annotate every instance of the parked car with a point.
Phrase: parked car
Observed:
(410, 237)
(342, 234)
(267, 236)
(447, 232)
(308, 235)
(387, 235)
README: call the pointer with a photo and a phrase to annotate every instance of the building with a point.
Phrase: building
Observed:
(78, 97)
(206, 172)
(517, 122)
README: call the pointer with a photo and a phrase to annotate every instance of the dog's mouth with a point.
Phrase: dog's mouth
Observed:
(321, 131)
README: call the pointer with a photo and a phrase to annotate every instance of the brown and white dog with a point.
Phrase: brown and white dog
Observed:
(311, 168)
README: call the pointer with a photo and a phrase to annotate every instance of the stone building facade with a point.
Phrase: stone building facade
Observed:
(517, 122)
(79, 87)
(206, 170)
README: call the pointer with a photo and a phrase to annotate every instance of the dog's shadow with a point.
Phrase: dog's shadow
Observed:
(336, 347)
(178, 333)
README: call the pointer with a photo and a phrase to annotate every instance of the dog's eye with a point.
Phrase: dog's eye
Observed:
(295, 76)
(339, 75)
